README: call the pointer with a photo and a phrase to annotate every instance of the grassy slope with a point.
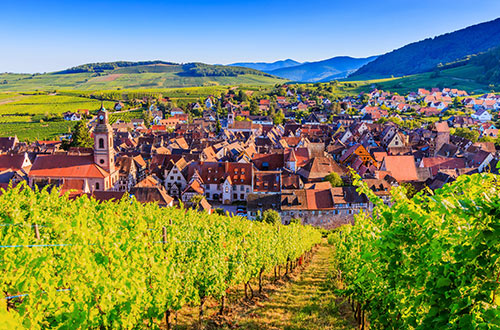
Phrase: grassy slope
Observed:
(141, 77)
(36, 131)
(463, 77)
(22, 115)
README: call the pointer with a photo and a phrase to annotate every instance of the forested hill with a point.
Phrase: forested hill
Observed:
(426, 55)
(101, 67)
(490, 62)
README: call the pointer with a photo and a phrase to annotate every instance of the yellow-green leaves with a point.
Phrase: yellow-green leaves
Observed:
(105, 264)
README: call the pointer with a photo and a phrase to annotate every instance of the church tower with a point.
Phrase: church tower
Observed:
(104, 154)
(230, 117)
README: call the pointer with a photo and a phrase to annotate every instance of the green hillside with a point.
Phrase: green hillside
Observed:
(468, 77)
(428, 54)
(136, 75)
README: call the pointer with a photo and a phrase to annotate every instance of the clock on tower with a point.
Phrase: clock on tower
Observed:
(103, 142)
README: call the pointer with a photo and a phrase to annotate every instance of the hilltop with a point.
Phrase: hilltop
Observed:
(266, 67)
(136, 75)
(429, 54)
(323, 71)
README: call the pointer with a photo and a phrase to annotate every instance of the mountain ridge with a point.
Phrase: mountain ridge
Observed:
(425, 55)
(325, 70)
(267, 66)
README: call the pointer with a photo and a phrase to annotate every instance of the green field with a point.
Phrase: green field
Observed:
(125, 116)
(35, 130)
(24, 114)
(139, 77)
(48, 104)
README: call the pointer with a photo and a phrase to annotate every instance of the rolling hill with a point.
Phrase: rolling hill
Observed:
(428, 54)
(266, 67)
(322, 71)
(136, 75)
(479, 73)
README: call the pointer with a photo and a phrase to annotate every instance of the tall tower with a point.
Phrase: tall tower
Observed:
(104, 153)
(230, 117)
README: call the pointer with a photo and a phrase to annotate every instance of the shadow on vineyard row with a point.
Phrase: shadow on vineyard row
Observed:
(240, 299)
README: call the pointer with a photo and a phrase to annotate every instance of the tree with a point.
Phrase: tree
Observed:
(80, 136)
(297, 221)
(148, 118)
(254, 108)
(218, 126)
(271, 216)
(242, 96)
(467, 133)
(278, 117)
(334, 179)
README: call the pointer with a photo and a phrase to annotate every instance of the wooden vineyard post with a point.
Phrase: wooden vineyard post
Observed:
(37, 232)
(164, 235)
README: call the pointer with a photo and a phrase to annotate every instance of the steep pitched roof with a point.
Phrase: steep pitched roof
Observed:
(319, 167)
(402, 168)
(151, 194)
(14, 162)
(66, 166)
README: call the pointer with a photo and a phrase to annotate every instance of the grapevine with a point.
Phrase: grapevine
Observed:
(85, 264)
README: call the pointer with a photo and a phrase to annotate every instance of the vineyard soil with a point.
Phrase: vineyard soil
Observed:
(304, 301)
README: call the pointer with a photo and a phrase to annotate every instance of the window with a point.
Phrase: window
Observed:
(101, 143)
(235, 196)
(97, 186)
(242, 196)
(242, 188)
(101, 161)
(208, 195)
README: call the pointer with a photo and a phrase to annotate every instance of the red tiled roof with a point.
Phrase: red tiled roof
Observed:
(402, 168)
(319, 199)
(216, 173)
(66, 166)
(14, 162)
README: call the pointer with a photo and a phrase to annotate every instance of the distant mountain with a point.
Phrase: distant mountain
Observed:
(326, 70)
(263, 66)
(137, 75)
(428, 54)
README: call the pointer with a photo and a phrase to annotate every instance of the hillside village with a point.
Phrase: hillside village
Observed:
(222, 154)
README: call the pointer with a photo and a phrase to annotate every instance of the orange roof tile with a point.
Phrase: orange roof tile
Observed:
(66, 166)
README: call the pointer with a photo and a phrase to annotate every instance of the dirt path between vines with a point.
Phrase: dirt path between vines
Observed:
(306, 302)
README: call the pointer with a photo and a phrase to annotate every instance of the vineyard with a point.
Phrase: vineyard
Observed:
(120, 265)
(430, 262)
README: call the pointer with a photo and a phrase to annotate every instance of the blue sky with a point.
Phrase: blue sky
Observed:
(40, 36)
